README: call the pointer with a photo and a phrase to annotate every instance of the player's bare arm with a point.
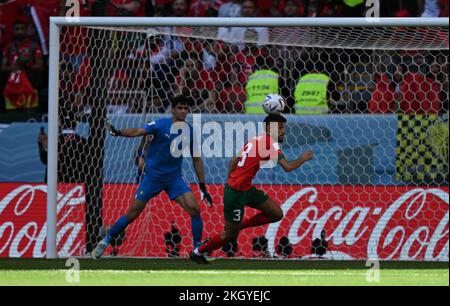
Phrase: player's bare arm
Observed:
(290, 166)
(199, 168)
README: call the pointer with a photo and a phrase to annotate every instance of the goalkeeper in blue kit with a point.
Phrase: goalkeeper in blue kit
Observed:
(163, 172)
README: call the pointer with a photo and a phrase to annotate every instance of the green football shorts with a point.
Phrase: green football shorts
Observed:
(235, 202)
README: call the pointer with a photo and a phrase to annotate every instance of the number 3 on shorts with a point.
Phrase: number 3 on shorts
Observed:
(237, 215)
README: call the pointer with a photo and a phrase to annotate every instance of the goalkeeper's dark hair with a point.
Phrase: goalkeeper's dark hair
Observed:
(274, 118)
(181, 100)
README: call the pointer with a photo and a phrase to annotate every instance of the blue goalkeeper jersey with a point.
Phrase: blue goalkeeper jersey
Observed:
(164, 156)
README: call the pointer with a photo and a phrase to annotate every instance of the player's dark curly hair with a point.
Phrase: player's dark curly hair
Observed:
(274, 118)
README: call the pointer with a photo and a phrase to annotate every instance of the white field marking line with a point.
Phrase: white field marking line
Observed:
(397, 273)
(239, 272)
(211, 272)
(290, 273)
(388, 273)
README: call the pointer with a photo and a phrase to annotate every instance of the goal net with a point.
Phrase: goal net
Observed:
(378, 126)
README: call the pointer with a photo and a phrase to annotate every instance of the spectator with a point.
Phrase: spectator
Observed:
(2, 75)
(170, 46)
(195, 83)
(209, 55)
(249, 9)
(117, 91)
(264, 8)
(403, 14)
(444, 5)
(231, 9)
(277, 8)
(238, 35)
(291, 9)
(163, 67)
(19, 94)
(312, 93)
(404, 8)
(156, 90)
(75, 66)
(286, 8)
(435, 72)
(429, 8)
(439, 74)
(200, 8)
(420, 64)
(165, 53)
(233, 96)
(420, 95)
(176, 8)
(22, 61)
(354, 8)
(387, 91)
(247, 59)
(67, 86)
(315, 8)
(23, 54)
(126, 8)
(224, 58)
(228, 58)
(263, 82)
(162, 50)
(160, 6)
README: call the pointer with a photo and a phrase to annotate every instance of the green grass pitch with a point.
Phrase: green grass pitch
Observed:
(222, 272)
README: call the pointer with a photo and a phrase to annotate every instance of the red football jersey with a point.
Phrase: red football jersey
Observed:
(259, 150)
(26, 50)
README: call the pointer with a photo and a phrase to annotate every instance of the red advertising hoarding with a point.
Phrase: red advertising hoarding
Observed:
(360, 222)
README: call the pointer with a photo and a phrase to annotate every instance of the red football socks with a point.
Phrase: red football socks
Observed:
(257, 220)
(213, 244)
(217, 242)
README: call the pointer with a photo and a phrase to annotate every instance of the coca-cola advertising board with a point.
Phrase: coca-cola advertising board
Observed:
(360, 222)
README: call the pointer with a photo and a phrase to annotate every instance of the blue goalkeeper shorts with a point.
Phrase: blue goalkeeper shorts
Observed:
(150, 188)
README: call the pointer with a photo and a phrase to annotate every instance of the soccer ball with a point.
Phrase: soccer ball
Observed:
(274, 104)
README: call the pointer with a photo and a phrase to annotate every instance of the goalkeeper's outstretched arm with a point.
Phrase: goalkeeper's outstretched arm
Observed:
(130, 133)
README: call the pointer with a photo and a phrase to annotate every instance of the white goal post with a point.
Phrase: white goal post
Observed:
(142, 23)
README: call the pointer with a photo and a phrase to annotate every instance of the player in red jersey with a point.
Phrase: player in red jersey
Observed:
(262, 151)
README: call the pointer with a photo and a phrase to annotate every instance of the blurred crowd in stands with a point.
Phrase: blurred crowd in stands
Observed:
(218, 76)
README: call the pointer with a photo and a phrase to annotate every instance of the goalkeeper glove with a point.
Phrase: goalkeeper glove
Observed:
(112, 130)
(206, 195)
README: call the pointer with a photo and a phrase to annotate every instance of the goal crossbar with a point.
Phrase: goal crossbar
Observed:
(250, 22)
